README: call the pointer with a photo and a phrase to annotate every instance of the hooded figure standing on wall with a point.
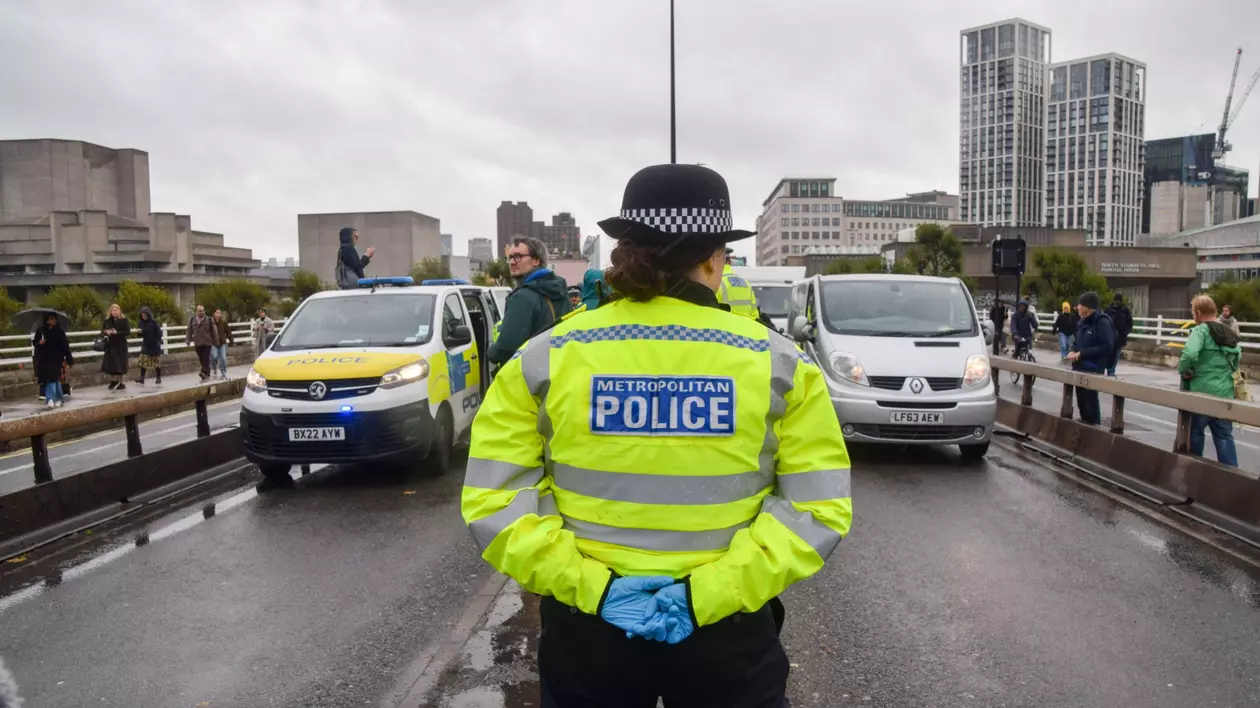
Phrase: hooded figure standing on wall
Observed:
(350, 265)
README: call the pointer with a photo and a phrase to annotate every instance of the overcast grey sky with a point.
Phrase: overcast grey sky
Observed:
(253, 111)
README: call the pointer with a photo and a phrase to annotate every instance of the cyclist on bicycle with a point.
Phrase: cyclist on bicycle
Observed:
(1023, 324)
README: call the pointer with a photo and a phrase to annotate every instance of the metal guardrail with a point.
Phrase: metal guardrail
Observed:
(1186, 404)
(173, 339)
(37, 426)
(1164, 331)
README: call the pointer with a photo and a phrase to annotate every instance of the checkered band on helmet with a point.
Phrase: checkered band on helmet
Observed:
(682, 220)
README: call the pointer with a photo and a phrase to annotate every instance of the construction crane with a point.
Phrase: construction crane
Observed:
(1222, 147)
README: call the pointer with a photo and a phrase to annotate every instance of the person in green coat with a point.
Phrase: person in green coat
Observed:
(539, 300)
(1207, 366)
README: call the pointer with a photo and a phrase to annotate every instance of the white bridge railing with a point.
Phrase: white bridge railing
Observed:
(1164, 331)
(16, 350)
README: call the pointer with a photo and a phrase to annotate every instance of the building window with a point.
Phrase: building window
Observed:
(783, 208)
(783, 249)
(783, 221)
(796, 207)
(815, 221)
(817, 236)
(826, 221)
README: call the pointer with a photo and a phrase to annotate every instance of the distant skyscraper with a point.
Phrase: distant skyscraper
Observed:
(514, 220)
(446, 243)
(1094, 148)
(480, 252)
(563, 238)
(1001, 161)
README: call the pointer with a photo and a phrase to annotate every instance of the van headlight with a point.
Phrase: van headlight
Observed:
(255, 381)
(846, 366)
(404, 375)
(977, 370)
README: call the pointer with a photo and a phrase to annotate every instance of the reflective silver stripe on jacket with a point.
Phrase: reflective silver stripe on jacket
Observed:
(819, 485)
(485, 530)
(494, 474)
(660, 489)
(823, 538)
(655, 539)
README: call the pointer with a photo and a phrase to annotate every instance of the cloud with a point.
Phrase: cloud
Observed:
(255, 112)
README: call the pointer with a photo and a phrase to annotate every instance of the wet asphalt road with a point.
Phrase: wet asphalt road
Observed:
(1001, 584)
(92, 451)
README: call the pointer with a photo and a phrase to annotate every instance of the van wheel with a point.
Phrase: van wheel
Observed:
(975, 451)
(439, 460)
(276, 473)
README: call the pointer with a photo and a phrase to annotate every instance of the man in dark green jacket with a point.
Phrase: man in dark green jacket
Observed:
(539, 299)
(1207, 366)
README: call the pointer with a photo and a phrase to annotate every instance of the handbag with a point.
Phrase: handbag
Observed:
(99, 344)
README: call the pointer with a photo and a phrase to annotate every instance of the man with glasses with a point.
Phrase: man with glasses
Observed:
(539, 299)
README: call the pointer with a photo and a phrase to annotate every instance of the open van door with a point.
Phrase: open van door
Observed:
(484, 313)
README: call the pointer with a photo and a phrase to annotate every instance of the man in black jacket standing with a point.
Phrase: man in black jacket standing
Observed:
(540, 298)
(1095, 345)
(1122, 320)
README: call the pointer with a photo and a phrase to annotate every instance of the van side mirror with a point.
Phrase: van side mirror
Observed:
(268, 339)
(459, 336)
(800, 329)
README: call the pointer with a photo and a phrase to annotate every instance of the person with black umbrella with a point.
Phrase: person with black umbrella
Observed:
(52, 351)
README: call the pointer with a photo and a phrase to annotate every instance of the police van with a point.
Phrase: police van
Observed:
(390, 373)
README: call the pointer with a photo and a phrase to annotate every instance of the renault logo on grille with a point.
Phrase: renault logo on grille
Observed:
(319, 389)
(916, 385)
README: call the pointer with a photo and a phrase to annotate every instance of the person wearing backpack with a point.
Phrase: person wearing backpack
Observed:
(1122, 318)
(349, 264)
(539, 300)
(1208, 365)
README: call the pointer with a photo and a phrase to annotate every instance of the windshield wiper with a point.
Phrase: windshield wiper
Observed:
(947, 333)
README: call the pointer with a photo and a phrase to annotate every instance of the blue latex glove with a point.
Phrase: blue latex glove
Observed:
(630, 601)
(671, 620)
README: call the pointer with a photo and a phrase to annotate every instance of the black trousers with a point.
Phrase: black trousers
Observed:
(736, 663)
(1087, 404)
(203, 356)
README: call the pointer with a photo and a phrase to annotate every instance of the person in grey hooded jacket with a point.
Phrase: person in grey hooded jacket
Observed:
(350, 264)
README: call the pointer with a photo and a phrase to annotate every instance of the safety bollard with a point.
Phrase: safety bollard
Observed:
(39, 454)
(203, 419)
(133, 436)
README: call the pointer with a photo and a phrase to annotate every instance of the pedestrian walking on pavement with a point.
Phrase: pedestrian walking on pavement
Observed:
(1122, 319)
(1065, 328)
(202, 336)
(1207, 365)
(52, 354)
(222, 338)
(1227, 318)
(1095, 345)
(259, 328)
(593, 437)
(540, 299)
(150, 346)
(115, 329)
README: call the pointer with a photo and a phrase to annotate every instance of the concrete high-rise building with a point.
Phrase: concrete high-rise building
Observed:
(562, 237)
(1001, 160)
(514, 220)
(1185, 188)
(1095, 117)
(447, 244)
(804, 215)
(480, 254)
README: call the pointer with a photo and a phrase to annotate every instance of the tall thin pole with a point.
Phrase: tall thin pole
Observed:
(673, 118)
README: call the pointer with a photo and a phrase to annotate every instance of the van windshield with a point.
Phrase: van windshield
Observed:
(376, 320)
(773, 299)
(897, 308)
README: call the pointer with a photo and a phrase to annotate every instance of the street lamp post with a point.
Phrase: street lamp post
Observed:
(673, 124)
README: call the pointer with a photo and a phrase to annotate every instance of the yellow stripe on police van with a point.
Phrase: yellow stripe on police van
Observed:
(331, 365)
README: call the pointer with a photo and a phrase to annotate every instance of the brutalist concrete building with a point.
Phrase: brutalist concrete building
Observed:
(401, 238)
(75, 213)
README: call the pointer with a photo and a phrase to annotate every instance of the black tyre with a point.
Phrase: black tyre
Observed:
(276, 472)
(974, 451)
(439, 460)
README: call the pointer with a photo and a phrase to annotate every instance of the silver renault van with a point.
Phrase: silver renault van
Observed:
(903, 355)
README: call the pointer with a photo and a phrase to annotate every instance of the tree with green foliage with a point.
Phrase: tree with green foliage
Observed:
(8, 308)
(305, 284)
(238, 298)
(499, 272)
(903, 266)
(132, 296)
(482, 279)
(83, 305)
(845, 266)
(1242, 296)
(1059, 275)
(430, 269)
(936, 251)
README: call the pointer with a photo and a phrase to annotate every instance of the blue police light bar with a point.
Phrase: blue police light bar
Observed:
(377, 282)
(446, 281)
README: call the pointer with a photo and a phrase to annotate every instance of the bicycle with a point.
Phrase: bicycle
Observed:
(1023, 352)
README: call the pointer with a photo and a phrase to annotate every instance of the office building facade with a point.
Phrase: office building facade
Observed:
(1095, 117)
(1184, 188)
(1002, 115)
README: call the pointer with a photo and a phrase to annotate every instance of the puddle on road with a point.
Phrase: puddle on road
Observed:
(497, 668)
(479, 697)
(61, 575)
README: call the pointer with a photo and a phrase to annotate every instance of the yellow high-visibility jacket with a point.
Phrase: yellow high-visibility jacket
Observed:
(658, 438)
(736, 292)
